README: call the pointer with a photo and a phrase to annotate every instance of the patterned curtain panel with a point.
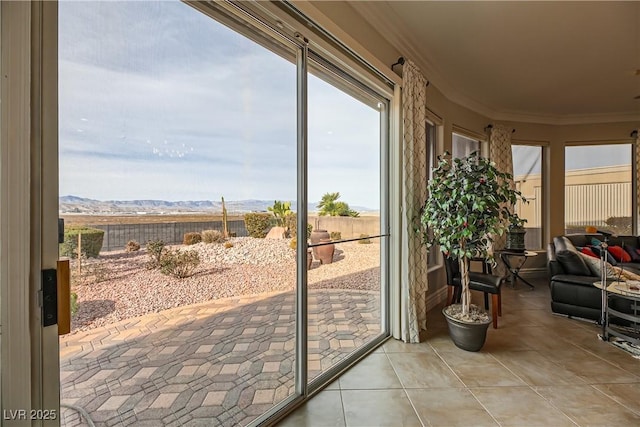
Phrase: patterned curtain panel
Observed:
(501, 155)
(413, 291)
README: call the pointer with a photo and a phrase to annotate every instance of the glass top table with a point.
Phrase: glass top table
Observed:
(629, 327)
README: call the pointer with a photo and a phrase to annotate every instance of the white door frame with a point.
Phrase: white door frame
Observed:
(29, 355)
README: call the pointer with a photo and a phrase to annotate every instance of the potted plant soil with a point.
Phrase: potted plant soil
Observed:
(469, 201)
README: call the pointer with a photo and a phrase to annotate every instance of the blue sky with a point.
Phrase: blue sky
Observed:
(158, 101)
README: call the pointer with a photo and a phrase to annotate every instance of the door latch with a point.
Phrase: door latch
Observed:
(49, 297)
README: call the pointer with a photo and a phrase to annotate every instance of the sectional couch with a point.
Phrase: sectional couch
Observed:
(572, 275)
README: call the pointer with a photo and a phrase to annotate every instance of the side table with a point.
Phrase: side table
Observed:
(514, 268)
(630, 292)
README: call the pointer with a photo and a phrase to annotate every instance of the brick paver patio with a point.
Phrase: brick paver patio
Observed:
(222, 362)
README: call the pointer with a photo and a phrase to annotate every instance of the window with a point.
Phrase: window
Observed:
(598, 188)
(527, 176)
(462, 146)
(432, 161)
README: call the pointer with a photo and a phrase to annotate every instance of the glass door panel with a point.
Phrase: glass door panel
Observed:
(344, 187)
(185, 313)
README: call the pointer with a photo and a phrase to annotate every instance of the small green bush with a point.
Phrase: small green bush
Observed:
(155, 248)
(365, 240)
(293, 244)
(178, 263)
(132, 246)
(91, 241)
(291, 224)
(74, 303)
(336, 235)
(212, 236)
(258, 224)
(192, 238)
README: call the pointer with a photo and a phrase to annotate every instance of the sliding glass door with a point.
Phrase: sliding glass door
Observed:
(344, 181)
(190, 144)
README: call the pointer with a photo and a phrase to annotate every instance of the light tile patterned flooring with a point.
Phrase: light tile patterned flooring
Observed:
(220, 363)
(536, 369)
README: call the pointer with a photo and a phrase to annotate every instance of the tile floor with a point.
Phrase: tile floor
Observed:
(535, 369)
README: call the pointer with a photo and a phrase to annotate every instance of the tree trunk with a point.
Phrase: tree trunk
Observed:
(466, 292)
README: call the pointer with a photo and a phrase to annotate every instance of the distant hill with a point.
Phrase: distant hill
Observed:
(80, 205)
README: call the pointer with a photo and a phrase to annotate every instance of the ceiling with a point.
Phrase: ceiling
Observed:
(546, 62)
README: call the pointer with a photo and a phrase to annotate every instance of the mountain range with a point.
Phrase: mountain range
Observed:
(82, 205)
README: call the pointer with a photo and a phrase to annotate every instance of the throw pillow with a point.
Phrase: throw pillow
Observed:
(588, 251)
(610, 258)
(595, 242)
(619, 254)
(633, 252)
(594, 266)
(572, 263)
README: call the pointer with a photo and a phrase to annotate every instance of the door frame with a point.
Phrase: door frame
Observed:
(28, 207)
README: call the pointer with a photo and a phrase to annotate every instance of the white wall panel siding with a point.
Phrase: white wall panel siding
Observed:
(593, 204)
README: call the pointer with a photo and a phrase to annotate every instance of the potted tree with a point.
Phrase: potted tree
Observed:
(469, 202)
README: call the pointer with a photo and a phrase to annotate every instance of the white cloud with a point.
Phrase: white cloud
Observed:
(158, 101)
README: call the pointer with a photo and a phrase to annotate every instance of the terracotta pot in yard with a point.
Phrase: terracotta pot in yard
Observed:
(325, 252)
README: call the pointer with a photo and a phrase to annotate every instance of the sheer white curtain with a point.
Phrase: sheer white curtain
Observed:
(501, 154)
(413, 292)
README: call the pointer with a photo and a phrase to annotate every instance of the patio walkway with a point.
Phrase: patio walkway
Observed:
(222, 362)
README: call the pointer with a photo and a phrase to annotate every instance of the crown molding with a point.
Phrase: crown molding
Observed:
(380, 16)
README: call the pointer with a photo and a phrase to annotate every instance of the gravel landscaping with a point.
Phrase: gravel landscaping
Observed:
(118, 285)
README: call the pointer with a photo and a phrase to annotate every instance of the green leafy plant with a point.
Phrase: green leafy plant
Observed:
(258, 224)
(329, 205)
(74, 303)
(90, 240)
(179, 264)
(335, 235)
(291, 224)
(515, 222)
(280, 210)
(191, 238)
(469, 202)
(293, 244)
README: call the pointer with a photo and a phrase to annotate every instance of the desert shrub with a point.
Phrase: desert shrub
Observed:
(365, 240)
(178, 263)
(335, 235)
(258, 224)
(89, 272)
(192, 238)
(620, 225)
(132, 246)
(212, 236)
(74, 303)
(228, 245)
(291, 224)
(293, 243)
(155, 248)
(91, 241)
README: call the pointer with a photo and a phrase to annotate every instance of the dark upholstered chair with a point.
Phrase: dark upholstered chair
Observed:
(484, 282)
